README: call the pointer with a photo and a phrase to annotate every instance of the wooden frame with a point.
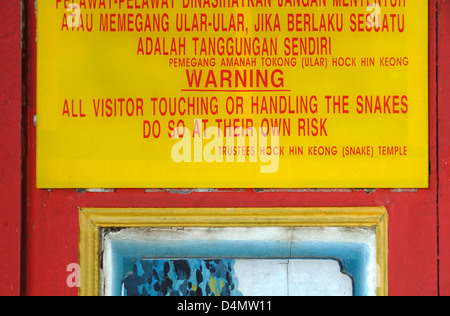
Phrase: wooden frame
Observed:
(93, 220)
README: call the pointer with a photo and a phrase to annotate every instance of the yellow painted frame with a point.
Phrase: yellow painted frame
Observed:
(92, 220)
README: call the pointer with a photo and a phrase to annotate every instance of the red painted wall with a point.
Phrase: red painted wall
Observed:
(417, 265)
(10, 146)
(444, 145)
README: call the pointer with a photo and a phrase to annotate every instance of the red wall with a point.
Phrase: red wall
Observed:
(10, 146)
(417, 264)
(444, 145)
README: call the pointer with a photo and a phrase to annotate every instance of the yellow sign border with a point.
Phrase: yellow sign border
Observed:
(92, 220)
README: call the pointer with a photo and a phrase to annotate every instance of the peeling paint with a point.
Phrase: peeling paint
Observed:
(231, 190)
(204, 190)
(155, 191)
(96, 190)
(189, 191)
(404, 190)
(181, 191)
(367, 191)
(304, 190)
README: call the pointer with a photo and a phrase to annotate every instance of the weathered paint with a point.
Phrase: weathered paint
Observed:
(444, 146)
(353, 248)
(182, 277)
(10, 146)
(236, 277)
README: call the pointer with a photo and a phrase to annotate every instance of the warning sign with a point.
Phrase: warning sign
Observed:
(232, 94)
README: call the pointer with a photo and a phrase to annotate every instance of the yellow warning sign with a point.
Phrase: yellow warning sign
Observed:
(232, 94)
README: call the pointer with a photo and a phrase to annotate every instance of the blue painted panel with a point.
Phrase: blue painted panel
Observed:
(127, 258)
(192, 277)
